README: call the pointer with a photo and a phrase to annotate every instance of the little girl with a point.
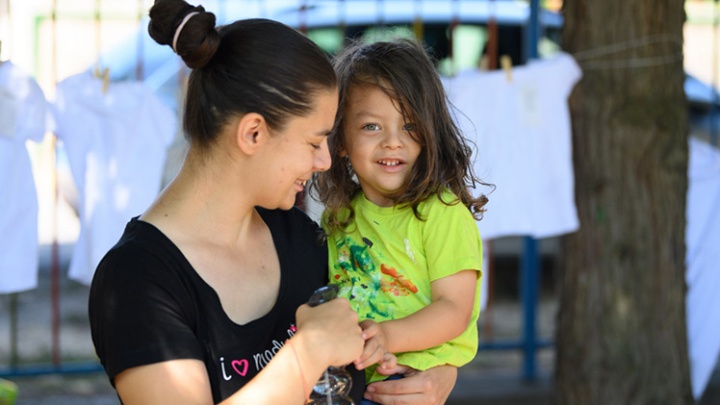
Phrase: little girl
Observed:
(399, 213)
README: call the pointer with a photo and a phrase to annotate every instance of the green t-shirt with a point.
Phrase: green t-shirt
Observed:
(386, 259)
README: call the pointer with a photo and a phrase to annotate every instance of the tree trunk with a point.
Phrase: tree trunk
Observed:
(621, 335)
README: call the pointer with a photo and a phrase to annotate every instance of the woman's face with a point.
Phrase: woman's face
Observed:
(298, 151)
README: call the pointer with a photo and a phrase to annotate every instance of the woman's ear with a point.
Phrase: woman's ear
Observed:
(251, 133)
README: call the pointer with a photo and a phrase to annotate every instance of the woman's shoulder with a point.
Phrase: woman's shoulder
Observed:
(141, 237)
(142, 246)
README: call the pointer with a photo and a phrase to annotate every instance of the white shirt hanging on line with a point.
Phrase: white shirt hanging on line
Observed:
(116, 142)
(24, 116)
(523, 145)
(702, 238)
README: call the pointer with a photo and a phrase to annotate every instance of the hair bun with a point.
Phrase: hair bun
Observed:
(197, 39)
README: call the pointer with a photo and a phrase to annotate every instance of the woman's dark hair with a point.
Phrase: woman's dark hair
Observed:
(403, 69)
(253, 65)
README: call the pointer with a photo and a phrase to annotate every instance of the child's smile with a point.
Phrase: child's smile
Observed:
(379, 142)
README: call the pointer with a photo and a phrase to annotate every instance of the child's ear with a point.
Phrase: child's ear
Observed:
(251, 133)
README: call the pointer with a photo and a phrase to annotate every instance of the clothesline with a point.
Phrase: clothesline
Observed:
(588, 58)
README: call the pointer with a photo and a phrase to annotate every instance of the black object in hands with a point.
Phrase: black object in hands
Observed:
(334, 386)
(323, 294)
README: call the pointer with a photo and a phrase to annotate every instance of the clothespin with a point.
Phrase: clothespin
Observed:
(506, 64)
(105, 80)
(418, 28)
(418, 22)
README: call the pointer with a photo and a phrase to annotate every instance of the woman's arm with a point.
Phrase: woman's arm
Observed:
(445, 318)
(429, 387)
(327, 335)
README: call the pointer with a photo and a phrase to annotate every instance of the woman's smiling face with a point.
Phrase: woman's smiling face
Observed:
(299, 150)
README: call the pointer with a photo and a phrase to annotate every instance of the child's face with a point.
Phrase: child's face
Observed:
(379, 143)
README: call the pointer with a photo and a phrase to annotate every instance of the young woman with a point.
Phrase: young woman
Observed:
(201, 300)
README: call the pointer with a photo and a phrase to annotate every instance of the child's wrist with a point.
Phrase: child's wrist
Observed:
(385, 337)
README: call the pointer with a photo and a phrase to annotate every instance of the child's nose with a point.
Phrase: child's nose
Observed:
(392, 140)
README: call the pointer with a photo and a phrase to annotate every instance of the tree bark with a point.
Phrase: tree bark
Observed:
(621, 335)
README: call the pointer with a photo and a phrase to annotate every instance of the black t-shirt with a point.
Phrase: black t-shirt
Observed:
(148, 305)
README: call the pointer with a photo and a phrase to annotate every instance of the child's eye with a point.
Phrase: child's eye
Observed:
(371, 127)
(409, 127)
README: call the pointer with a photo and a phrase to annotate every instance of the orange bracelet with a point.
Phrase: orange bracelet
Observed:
(302, 375)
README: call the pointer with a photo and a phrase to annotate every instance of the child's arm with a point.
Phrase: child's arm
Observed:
(445, 318)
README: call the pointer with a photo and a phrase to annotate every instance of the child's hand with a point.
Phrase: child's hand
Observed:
(389, 365)
(375, 344)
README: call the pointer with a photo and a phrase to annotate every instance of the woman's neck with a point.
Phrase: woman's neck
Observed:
(204, 200)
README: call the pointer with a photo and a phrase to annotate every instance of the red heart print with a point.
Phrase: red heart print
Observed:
(236, 364)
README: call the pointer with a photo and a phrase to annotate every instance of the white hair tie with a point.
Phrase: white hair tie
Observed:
(180, 27)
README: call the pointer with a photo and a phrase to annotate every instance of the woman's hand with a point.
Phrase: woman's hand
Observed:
(429, 387)
(331, 332)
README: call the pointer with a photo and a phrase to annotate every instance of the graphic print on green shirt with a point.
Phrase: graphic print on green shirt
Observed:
(365, 286)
